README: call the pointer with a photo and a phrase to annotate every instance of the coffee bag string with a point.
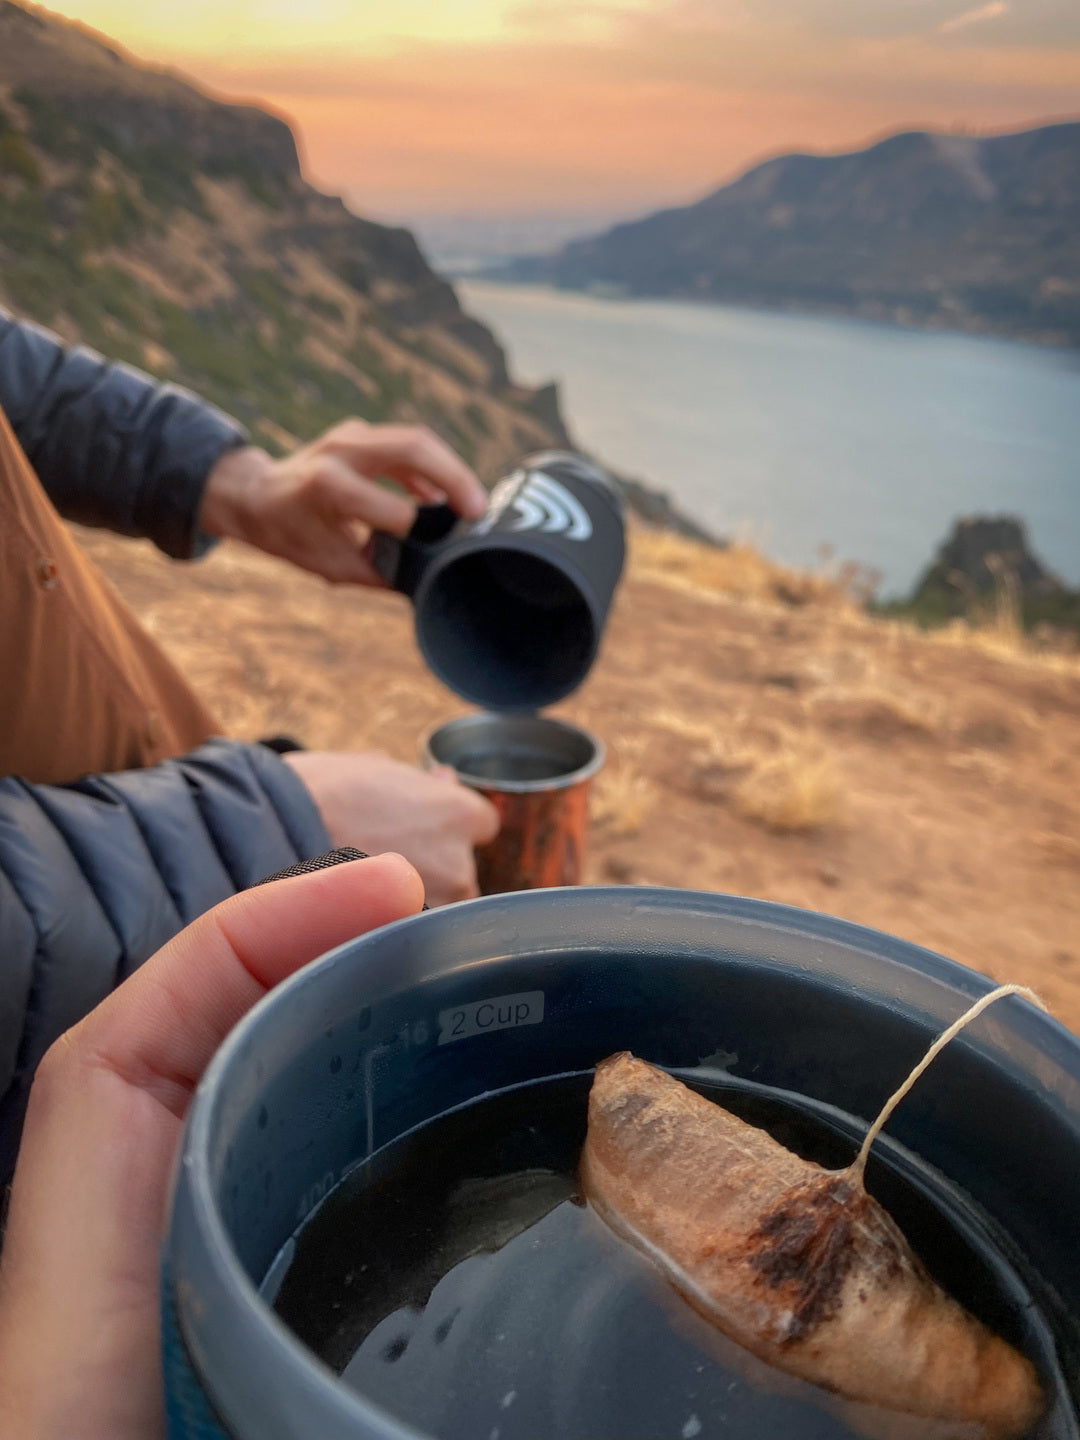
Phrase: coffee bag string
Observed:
(857, 1167)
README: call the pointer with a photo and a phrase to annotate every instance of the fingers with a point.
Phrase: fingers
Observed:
(340, 489)
(159, 1030)
(334, 553)
(414, 457)
(482, 820)
(486, 820)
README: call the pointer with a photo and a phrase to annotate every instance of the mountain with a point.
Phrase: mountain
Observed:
(174, 231)
(925, 229)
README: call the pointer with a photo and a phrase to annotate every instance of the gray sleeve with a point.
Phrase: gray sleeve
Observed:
(96, 876)
(112, 447)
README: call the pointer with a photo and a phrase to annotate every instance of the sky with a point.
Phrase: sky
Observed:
(519, 108)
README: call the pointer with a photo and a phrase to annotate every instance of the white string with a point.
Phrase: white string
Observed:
(859, 1165)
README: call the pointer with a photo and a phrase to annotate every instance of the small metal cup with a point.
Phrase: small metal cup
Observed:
(536, 772)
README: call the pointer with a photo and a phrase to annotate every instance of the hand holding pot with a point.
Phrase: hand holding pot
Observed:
(79, 1280)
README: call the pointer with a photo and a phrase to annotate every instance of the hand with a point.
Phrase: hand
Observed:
(377, 804)
(79, 1285)
(319, 506)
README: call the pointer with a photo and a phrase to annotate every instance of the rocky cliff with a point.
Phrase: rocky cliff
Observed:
(936, 230)
(985, 569)
(177, 232)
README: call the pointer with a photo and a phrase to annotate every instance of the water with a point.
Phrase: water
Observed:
(519, 767)
(458, 1280)
(797, 431)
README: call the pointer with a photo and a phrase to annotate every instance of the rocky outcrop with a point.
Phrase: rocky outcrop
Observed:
(986, 569)
(985, 552)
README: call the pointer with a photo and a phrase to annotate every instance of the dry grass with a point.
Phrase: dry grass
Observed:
(995, 627)
(771, 773)
(621, 800)
(709, 744)
(1061, 850)
(1004, 642)
(794, 792)
(835, 594)
(623, 796)
(880, 710)
(738, 572)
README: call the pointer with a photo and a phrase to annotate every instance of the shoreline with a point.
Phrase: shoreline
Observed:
(605, 296)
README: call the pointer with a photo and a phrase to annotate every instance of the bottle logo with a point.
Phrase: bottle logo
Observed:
(540, 503)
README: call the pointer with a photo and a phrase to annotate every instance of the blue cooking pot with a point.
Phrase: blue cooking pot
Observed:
(397, 1027)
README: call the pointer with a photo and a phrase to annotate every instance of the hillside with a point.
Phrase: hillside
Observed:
(174, 231)
(924, 229)
(766, 737)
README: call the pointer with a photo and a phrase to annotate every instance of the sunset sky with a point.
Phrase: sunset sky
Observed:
(508, 107)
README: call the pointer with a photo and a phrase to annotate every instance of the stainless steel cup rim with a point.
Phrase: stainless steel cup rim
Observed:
(520, 728)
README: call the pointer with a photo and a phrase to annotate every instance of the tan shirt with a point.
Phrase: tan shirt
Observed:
(83, 688)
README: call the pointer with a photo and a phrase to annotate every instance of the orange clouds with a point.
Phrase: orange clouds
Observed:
(541, 105)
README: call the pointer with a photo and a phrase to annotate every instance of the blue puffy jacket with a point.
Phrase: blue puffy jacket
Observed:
(96, 875)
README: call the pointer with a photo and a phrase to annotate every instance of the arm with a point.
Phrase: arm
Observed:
(95, 876)
(114, 449)
(111, 446)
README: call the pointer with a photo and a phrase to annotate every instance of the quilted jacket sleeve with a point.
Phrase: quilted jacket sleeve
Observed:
(112, 447)
(97, 875)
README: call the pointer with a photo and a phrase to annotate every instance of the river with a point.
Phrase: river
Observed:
(799, 432)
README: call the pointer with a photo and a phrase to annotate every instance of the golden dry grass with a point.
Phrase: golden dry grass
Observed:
(836, 594)
(737, 572)
(793, 792)
(763, 769)
(621, 800)
(1061, 850)
(622, 796)
(879, 709)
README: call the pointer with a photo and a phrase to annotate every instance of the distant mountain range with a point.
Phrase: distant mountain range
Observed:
(924, 229)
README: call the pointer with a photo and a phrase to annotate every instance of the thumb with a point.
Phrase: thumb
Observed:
(80, 1261)
(159, 1030)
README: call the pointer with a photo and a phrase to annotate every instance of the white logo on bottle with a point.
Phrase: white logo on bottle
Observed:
(541, 504)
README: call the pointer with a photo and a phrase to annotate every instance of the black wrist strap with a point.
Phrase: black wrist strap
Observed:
(320, 862)
(284, 745)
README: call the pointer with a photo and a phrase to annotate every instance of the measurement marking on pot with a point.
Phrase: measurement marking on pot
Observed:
(482, 1017)
(413, 1034)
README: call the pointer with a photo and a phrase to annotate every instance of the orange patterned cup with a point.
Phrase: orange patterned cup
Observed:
(536, 771)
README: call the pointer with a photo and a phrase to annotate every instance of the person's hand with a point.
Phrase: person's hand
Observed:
(376, 804)
(79, 1281)
(318, 506)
